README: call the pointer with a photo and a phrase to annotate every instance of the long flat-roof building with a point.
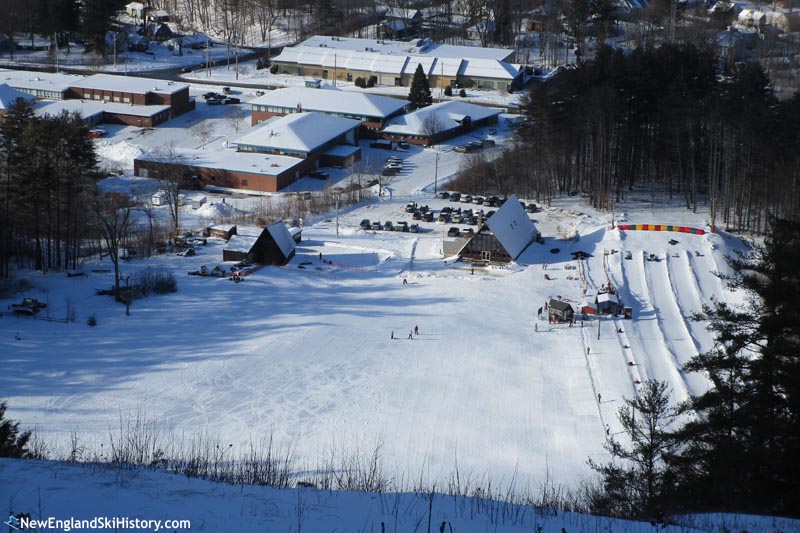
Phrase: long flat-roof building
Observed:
(94, 112)
(393, 63)
(133, 90)
(39, 84)
(371, 110)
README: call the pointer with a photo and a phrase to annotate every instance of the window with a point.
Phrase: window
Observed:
(244, 183)
(96, 96)
(397, 81)
(325, 74)
(349, 76)
(106, 97)
(87, 96)
(300, 71)
(127, 99)
(116, 98)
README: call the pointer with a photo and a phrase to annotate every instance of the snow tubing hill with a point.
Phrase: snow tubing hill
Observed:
(661, 227)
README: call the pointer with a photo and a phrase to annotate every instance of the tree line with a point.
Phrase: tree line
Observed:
(46, 164)
(661, 119)
(737, 446)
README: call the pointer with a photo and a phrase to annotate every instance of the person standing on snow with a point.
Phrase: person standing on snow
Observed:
(416, 330)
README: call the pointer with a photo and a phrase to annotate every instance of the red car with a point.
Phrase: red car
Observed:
(96, 133)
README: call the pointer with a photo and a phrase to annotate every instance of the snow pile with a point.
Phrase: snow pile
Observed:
(116, 155)
(218, 211)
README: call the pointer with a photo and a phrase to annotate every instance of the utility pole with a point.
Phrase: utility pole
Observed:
(599, 319)
(436, 175)
(337, 214)
(207, 73)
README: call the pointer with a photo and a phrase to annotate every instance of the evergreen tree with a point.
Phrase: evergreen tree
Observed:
(420, 93)
(97, 16)
(742, 452)
(635, 486)
(12, 442)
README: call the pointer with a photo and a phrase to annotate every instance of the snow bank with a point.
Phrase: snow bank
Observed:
(116, 155)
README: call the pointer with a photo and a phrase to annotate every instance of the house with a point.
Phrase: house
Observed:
(297, 234)
(371, 110)
(9, 97)
(315, 138)
(439, 122)
(504, 236)
(559, 310)
(162, 31)
(136, 42)
(608, 303)
(736, 45)
(135, 10)
(751, 18)
(271, 246)
(197, 41)
(158, 15)
(221, 231)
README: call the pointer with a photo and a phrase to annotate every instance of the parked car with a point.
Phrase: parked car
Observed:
(416, 215)
(447, 210)
(475, 144)
(226, 90)
(444, 218)
(319, 174)
(411, 207)
(186, 69)
(477, 200)
(388, 226)
(455, 196)
(453, 232)
(428, 216)
(456, 218)
(208, 95)
(414, 228)
(466, 199)
(96, 133)
(473, 221)
(401, 226)
(365, 224)
(389, 171)
(460, 149)
(488, 142)
(231, 100)
(402, 146)
(214, 101)
(444, 195)
(468, 232)
(531, 208)
(377, 225)
(424, 208)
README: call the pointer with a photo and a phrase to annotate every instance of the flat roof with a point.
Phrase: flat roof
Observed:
(343, 150)
(230, 160)
(298, 131)
(332, 101)
(23, 79)
(10, 95)
(129, 84)
(422, 47)
(88, 108)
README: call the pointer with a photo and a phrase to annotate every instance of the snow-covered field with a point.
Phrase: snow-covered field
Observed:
(305, 352)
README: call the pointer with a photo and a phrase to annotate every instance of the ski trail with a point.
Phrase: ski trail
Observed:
(674, 309)
(663, 303)
(647, 342)
(690, 300)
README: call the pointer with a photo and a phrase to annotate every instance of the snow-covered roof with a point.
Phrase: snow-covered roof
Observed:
(448, 116)
(26, 81)
(512, 227)
(343, 150)
(10, 95)
(129, 84)
(240, 243)
(230, 160)
(487, 68)
(607, 297)
(280, 233)
(302, 132)
(332, 101)
(89, 108)
(417, 47)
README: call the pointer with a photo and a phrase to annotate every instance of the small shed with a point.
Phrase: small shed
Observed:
(559, 310)
(297, 234)
(221, 231)
(608, 303)
(314, 83)
(588, 308)
(272, 246)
